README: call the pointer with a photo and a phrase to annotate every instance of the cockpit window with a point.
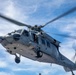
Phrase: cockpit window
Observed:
(25, 33)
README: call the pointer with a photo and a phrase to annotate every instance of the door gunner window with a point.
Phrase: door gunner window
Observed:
(35, 38)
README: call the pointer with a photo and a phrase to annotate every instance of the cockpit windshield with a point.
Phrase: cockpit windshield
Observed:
(16, 31)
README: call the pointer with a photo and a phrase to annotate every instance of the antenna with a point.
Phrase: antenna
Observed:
(74, 47)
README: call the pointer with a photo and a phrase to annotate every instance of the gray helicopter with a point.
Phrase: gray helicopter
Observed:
(35, 44)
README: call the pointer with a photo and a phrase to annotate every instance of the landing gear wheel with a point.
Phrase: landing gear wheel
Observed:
(17, 59)
(39, 54)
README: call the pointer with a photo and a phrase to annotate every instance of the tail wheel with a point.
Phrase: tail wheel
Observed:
(39, 54)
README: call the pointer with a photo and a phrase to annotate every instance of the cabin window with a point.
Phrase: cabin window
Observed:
(48, 43)
(25, 33)
(35, 38)
(43, 41)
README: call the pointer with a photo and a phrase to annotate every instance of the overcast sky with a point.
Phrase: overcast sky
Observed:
(37, 12)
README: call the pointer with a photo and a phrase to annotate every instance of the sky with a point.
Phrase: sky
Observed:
(38, 12)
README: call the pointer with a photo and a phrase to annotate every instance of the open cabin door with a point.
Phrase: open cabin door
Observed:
(35, 38)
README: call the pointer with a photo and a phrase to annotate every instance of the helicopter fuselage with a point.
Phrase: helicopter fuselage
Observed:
(27, 44)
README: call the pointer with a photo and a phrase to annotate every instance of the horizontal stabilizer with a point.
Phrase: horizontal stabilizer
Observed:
(70, 69)
(66, 69)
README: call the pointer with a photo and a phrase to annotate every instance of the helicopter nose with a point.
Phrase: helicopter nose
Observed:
(1, 39)
(16, 37)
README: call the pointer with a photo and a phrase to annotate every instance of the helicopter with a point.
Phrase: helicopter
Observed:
(35, 44)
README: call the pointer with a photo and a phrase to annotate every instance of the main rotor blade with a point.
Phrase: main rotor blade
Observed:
(66, 36)
(14, 21)
(62, 15)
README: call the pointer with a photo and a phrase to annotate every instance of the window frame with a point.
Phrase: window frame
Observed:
(25, 33)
